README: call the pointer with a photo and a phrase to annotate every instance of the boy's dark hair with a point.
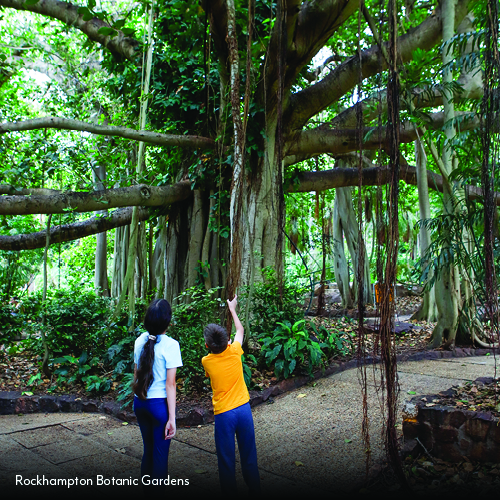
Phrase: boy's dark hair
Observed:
(216, 338)
(156, 321)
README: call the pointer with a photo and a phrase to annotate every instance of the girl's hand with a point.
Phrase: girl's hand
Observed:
(170, 429)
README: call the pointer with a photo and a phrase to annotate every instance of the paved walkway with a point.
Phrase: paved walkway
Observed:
(308, 440)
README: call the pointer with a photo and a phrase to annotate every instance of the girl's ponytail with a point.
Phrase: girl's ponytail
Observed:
(156, 321)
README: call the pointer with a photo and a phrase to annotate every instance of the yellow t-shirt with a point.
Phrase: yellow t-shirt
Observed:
(226, 377)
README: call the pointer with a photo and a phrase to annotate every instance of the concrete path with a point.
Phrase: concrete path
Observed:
(308, 441)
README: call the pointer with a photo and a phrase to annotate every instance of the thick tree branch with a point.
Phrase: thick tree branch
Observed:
(470, 88)
(140, 195)
(71, 232)
(372, 176)
(309, 102)
(182, 141)
(120, 45)
(307, 32)
(303, 182)
(318, 141)
(217, 13)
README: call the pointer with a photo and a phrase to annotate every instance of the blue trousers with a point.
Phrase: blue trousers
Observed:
(152, 416)
(237, 422)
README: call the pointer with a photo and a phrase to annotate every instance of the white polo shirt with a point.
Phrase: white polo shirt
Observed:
(167, 355)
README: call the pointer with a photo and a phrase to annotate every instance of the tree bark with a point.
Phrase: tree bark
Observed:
(427, 311)
(101, 255)
(167, 140)
(339, 258)
(71, 232)
(46, 351)
(138, 195)
(345, 209)
(448, 298)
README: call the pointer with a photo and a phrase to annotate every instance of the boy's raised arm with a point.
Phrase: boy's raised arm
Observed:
(237, 323)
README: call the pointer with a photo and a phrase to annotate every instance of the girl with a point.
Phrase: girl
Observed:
(156, 358)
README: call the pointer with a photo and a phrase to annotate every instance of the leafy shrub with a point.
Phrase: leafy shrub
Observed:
(82, 343)
(268, 307)
(125, 392)
(332, 341)
(10, 323)
(75, 321)
(292, 347)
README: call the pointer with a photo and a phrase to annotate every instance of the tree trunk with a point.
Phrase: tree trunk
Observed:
(46, 351)
(158, 260)
(256, 221)
(349, 225)
(339, 258)
(447, 286)
(196, 237)
(119, 259)
(141, 263)
(428, 310)
(101, 254)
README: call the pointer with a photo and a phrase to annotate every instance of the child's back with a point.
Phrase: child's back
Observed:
(233, 416)
(226, 378)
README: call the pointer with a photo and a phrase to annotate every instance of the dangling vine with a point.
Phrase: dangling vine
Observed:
(387, 304)
(489, 119)
(361, 348)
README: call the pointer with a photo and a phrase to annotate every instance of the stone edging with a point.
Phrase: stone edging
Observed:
(14, 403)
(450, 433)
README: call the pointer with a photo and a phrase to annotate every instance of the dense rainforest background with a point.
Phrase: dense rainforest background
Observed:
(197, 150)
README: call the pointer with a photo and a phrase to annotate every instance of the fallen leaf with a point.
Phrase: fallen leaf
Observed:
(298, 463)
(412, 392)
(347, 440)
(301, 395)
(200, 471)
(124, 423)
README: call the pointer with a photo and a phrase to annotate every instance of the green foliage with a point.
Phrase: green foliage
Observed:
(125, 392)
(247, 361)
(192, 311)
(288, 347)
(291, 348)
(84, 347)
(18, 269)
(9, 322)
(75, 320)
(72, 369)
(268, 307)
(333, 341)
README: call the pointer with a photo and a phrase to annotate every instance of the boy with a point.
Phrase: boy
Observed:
(230, 398)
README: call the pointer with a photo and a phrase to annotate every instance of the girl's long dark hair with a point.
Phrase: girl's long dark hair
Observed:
(156, 321)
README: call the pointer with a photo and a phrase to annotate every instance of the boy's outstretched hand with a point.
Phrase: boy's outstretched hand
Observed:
(237, 323)
(232, 305)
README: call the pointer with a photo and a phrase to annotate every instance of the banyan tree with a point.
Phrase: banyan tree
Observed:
(217, 110)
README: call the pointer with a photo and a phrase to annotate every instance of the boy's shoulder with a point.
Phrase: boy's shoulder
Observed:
(236, 347)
